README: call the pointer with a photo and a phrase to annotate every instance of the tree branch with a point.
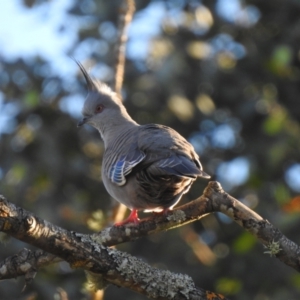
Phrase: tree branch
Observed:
(278, 245)
(26, 263)
(214, 199)
(126, 14)
(95, 257)
(80, 251)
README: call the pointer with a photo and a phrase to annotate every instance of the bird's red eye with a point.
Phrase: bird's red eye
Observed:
(99, 108)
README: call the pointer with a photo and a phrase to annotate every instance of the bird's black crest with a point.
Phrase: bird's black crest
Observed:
(98, 86)
(88, 79)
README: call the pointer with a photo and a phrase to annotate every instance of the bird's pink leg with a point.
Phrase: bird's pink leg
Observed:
(132, 218)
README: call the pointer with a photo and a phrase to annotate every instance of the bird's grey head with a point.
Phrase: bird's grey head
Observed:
(102, 107)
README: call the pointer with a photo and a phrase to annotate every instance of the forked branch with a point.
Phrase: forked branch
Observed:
(90, 252)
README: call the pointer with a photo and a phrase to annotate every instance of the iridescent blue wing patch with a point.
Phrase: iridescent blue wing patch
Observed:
(123, 166)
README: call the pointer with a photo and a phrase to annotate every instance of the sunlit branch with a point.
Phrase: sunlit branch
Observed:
(26, 227)
(126, 13)
(80, 251)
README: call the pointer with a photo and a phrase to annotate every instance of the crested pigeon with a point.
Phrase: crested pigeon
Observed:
(145, 167)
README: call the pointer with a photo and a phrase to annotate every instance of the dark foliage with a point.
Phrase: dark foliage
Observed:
(230, 83)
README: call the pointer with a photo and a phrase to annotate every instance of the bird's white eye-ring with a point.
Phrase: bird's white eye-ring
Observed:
(99, 108)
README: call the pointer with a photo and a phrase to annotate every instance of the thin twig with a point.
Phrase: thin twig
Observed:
(126, 14)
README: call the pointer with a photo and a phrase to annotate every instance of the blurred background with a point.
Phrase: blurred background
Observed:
(224, 73)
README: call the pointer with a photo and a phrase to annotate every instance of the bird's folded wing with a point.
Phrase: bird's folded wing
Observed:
(124, 165)
(176, 165)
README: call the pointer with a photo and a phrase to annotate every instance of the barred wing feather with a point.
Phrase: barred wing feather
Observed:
(124, 165)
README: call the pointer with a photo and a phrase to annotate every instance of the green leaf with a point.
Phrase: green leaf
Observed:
(244, 243)
(31, 99)
(282, 194)
(275, 122)
(282, 56)
(16, 174)
(228, 286)
(295, 279)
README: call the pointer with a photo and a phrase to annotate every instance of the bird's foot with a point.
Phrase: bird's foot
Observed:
(132, 218)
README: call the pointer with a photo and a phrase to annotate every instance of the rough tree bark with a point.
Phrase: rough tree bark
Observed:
(91, 252)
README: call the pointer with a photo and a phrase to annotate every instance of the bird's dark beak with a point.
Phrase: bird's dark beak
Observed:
(82, 122)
